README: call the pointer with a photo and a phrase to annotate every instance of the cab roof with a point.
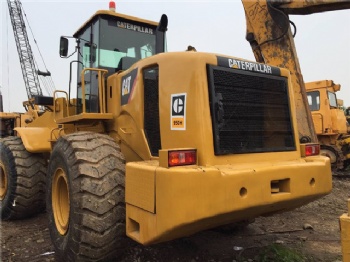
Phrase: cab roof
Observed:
(119, 15)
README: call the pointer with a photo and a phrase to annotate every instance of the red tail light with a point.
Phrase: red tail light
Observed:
(182, 157)
(312, 150)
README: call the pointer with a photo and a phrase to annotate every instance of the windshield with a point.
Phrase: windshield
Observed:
(112, 43)
(314, 100)
(115, 38)
(120, 39)
(332, 99)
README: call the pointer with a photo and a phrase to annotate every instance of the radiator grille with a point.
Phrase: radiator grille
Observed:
(151, 109)
(250, 112)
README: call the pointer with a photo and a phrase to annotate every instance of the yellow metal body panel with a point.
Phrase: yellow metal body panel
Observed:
(345, 234)
(84, 117)
(35, 139)
(166, 203)
(140, 185)
(128, 123)
(194, 198)
(4, 115)
(312, 6)
(330, 122)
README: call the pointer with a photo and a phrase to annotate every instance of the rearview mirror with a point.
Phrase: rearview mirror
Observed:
(63, 46)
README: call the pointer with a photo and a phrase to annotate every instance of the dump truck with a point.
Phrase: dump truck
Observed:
(330, 122)
(159, 145)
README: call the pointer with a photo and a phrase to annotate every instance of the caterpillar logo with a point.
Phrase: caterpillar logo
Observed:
(178, 112)
(248, 66)
(127, 86)
(138, 28)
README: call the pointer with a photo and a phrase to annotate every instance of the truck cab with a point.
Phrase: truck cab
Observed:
(330, 121)
(327, 115)
(113, 42)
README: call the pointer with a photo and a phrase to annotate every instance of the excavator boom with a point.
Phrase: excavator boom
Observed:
(271, 38)
(306, 7)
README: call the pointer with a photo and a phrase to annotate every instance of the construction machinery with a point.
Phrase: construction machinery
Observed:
(159, 145)
(22, 173)
(30, 73)
(8, 121)
(330, 122)
(347, 114)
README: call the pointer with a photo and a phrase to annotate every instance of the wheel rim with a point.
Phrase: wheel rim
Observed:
(60, 201)
(3, 182)
(332, 156)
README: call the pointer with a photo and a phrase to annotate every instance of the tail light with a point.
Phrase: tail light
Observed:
(312, 149)
(182, 157)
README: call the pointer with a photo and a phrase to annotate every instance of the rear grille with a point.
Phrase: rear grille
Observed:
(250, 111)
(151, 109)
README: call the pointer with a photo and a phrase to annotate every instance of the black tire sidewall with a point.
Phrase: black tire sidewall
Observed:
(61, 242)
(11, 174)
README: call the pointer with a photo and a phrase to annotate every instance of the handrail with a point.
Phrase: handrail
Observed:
(54, 105)
(101, 89)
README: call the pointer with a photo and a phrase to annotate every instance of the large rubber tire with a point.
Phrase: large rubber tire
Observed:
(86, 197)
(22, 180)
(334, 157)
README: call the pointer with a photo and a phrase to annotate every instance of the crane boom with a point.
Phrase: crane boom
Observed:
(24, 50)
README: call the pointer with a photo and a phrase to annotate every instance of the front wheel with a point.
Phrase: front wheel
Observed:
(85, 198)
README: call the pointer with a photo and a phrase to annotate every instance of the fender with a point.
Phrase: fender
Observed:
(35, 139)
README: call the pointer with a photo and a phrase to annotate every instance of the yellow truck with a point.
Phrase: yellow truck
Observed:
(330, 122)
(158, 145)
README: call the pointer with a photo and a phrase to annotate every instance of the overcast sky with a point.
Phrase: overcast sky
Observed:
(322, 40)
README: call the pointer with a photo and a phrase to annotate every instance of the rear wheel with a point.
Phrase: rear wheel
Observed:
(334, 157)
(85, 198)
(22, 180)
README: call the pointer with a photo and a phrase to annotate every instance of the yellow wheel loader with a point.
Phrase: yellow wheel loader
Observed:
(330, 122)
(8, 121)
(159, 145)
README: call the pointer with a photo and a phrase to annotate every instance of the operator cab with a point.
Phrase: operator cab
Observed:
(114, 42)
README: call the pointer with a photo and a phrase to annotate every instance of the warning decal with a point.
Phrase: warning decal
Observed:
(178, 112)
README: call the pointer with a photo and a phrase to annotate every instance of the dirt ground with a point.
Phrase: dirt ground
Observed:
(312, 230)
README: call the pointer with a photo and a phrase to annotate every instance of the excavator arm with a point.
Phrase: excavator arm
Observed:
(271, 38)
(306, 7)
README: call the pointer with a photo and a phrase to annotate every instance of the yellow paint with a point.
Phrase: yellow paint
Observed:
(140, 189)
(60, 201)
(166, 203)
(194, 198)
(35, 139)
(3, 181)
(262, 29)
(330, 122)
(345, 234)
